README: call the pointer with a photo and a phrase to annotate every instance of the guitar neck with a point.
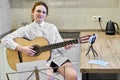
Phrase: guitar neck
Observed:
(41, 49)
(58, 45)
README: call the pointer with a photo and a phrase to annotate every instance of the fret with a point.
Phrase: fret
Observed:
(57, 45)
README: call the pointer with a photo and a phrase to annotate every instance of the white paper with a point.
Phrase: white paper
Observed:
(98, 62)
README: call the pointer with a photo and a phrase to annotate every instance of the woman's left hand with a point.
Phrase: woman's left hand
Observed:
(69, 46)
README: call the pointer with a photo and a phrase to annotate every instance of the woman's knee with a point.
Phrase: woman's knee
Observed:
(72, 74)
(69, 73)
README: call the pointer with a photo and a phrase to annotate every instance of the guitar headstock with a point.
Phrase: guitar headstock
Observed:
(84, 39)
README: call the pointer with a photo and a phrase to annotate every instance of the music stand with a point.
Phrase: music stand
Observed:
(35, 71)
(92, 40)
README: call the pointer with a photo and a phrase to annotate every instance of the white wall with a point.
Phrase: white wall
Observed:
(4, 16)
(69, 14)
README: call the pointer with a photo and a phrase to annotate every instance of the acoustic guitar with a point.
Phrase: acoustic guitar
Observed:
(42, 48)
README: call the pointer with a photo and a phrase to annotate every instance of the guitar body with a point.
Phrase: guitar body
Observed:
(12, 55)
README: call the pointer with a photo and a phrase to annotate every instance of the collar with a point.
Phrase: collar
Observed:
(41, 24)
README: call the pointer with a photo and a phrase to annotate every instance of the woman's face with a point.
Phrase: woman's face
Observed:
(39, 13)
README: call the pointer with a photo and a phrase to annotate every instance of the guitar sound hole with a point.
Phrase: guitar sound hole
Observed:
(37, 49)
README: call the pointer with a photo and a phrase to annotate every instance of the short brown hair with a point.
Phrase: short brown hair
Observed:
(40, 3)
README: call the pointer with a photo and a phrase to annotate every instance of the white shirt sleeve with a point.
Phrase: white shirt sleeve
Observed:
(8, 40)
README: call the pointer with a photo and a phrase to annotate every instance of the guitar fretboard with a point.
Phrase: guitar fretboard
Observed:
(54, 46)
(58, 45)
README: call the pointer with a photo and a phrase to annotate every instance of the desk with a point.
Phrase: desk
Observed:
(108, 49)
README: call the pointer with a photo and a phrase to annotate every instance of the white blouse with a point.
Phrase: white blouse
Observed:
(33, 30)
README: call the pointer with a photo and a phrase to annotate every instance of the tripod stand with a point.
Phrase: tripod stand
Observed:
(92, 40)
(93, 51)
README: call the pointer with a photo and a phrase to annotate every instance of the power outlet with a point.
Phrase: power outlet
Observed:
(96, 18)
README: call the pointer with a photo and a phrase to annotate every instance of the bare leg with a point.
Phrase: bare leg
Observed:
(50, 73)
(68, 71)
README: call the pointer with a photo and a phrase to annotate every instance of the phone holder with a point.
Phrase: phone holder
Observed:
(92, 41)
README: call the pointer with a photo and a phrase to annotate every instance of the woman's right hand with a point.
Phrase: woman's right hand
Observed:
(28, 50)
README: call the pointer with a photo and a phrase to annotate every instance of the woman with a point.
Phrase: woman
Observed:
(40, 28)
